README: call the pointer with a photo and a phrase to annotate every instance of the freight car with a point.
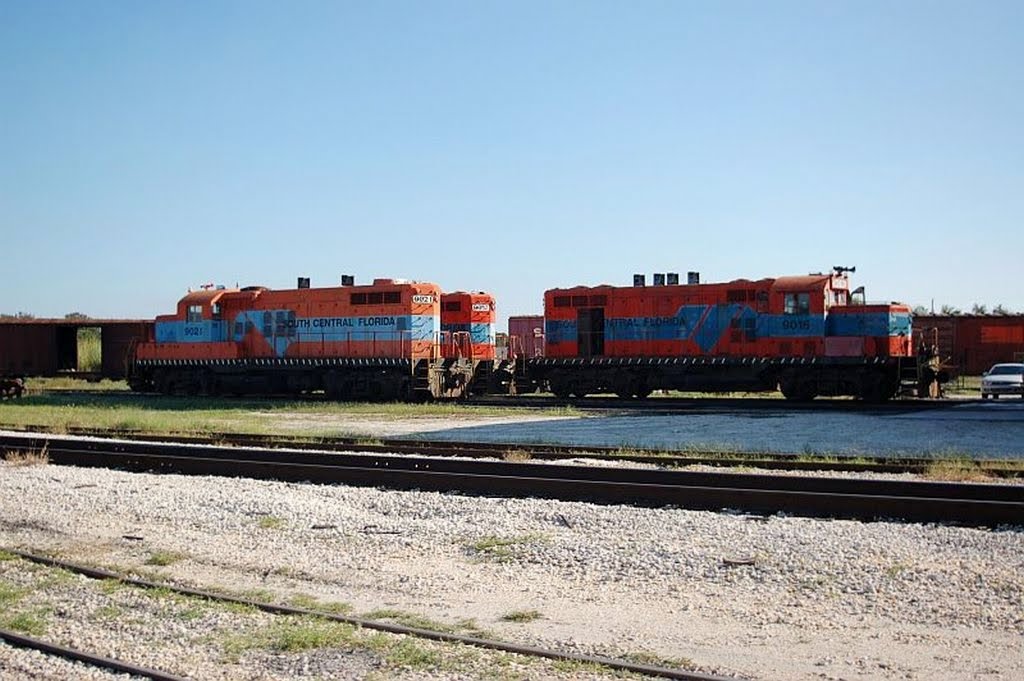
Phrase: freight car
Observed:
(805, 335)
(378, 341)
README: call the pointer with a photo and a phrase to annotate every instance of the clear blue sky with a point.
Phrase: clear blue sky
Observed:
(509, 147)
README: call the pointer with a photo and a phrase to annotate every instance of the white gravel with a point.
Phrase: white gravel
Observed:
(824, 599)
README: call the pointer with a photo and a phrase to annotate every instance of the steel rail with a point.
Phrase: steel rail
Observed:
(444, 637)
(705, 404)
(600, 403)
(22, 641)
(865, 499)
(501, 450)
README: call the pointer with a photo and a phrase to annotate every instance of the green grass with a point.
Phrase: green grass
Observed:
(409, 619)
(4, 555)
(195, 415)
(9, 595)
(259, 595)
(38, 384)
(271, 522)
(32, 623)
(409, 653)
(522, 616)
(89, 352)
(290, 635)
(956, 470)
(575, 668)
(644, 657)
(164, 558)
(501, 548)
(300, 634)
(308, 602)
(110, 611)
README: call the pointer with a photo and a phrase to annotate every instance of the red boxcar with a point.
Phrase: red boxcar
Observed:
(526, 336)
(971, 344)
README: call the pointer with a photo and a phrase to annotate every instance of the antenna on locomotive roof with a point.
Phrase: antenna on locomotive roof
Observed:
(840, 269)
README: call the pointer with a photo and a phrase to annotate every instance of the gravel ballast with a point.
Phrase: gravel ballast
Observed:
(821, 599)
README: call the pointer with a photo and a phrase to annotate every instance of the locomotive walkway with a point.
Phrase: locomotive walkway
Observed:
(973, 504)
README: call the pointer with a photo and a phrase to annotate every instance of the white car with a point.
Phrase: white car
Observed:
(1003, 379)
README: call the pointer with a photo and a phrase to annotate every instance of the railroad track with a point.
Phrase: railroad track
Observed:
(64, 652)
(446, 637)
(487, 450)
(667, 404)
(864, 499)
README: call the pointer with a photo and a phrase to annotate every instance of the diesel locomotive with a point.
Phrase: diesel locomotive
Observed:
(395, 339)
(392, 339)
(805, 335)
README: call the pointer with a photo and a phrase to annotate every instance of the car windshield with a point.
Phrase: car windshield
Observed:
(1006, 369)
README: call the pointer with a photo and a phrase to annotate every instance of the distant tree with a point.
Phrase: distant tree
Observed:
(77, 317)
(950, 310)
(1000, 310)
(19, 317)
(979, 308)
(920, 311)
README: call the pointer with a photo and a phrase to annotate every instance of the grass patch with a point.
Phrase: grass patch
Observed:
(9, 595)
(468, 627)
(501, 548)
(32, 623)
(313, 603)
(116, 409)
(5, 555)
(409, 619)
(515, 455)
(109, 612)
(112, 586)
(895, 570)
(163, 593)
(34, 457)
(575, 668)
(164, 558)
(645, 657)
(956, 470)
(408, 653)
(271, 522)
(259, 595)
(522, 616)
(291, 635)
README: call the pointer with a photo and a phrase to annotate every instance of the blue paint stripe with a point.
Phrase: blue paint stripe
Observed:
(283, 330)
(479, 333)
(869, 324)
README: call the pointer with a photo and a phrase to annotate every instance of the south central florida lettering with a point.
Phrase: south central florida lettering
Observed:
(340, 322)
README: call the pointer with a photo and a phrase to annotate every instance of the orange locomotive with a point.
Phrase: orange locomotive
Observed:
(802, 334)
(379, 341)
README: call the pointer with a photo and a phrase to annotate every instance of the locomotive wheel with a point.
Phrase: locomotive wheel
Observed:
(873, 389)
(562, 389)
(799, 391)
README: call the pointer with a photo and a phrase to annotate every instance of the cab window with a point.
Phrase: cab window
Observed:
(797, 303)
(195, 314)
